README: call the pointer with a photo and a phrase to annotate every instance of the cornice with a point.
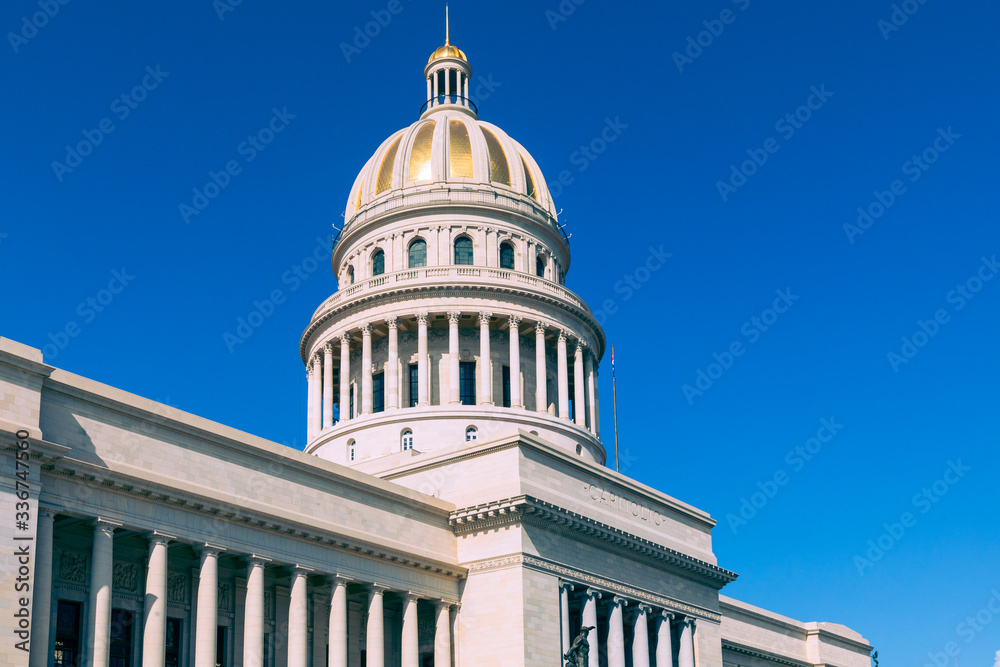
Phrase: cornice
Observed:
(254, 518)
(733, 647)
(452, 290)
(527, 509)
(591, 581)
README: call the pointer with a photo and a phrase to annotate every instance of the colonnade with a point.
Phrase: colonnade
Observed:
(435, 90)
(321, 370)
(640, 617)
(97, 631)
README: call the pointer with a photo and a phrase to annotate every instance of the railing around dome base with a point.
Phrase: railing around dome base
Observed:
(441, 274)
(441, 100)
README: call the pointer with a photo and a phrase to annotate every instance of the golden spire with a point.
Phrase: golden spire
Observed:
(447, 27)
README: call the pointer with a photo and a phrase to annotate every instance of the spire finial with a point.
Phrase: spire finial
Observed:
(447, 27)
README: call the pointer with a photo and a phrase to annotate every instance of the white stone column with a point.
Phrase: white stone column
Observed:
(338, 622)
(597, 402)
(99, 607)
(565, 634)
(640, 636)
(588, 619)
(375, 634)
(664, 646)
(253, 614)
(485, 362)
(154, 621)
(579, 385)
(616, 632)
(423, 365)
(442, 634)
(447, 86)
(541, 374)
(685, 658)
(588, 370)
(437, 87)
(456, 635)
(206, 620)
(366, 369)
(345, 376)
(298, 618)
(392, 365)
(411, 636)
(466, 91)
(327, 386)
(41, 601)
(561, 363)
(430, 92)
(454, 388)
(515, 361)
(312, 382)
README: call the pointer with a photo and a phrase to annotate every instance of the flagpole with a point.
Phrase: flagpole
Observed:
(614, 396)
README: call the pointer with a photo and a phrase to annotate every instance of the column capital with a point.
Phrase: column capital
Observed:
(105, 525)
(643, 608)
(256, 560)
(618, 601)
(339, 580)
(454, 316)
(581, 345)
(345, 338)
(422, 317)
(666, 615)
(566, 586)
(687, 621)
(206, 549)
(514, 321)
(377, 589)
(46, 512)
(392, 323)
(540, 327)
(158, 537)
(592, 593)
(301, 570)
(366, 329)
(441, 603)
(328, 347)
(410, 595)
(484, 318)
(563, 335)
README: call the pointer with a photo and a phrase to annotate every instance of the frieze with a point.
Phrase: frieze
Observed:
(125, 577)
(73, 567)
(176, 588)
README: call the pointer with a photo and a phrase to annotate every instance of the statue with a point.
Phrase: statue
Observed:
(578, 654)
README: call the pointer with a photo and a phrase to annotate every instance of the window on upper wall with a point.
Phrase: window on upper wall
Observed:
(467, 382)
(417, 254)
(352, 450)
(407, 440)
(506, 256)
(506, 385)
(471, 433)
(540, 267)
(378, 263)
(414, 385)
(463, 251)
(378, 392)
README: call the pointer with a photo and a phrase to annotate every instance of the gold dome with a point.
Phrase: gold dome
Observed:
(448, 51)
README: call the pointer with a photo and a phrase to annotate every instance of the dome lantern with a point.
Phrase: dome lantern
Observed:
(448, 74)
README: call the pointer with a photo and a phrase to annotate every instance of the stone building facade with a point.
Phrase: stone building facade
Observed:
(452, 506)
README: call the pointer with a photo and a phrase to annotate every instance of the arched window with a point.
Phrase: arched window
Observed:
(506, 256)
(378, 263)
(418, 254)
(463, 250)
(471, 433)
(407, 440)
(350, 275)
(540, 267)
(351, 450)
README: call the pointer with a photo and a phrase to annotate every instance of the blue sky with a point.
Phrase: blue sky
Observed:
(897, 118)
